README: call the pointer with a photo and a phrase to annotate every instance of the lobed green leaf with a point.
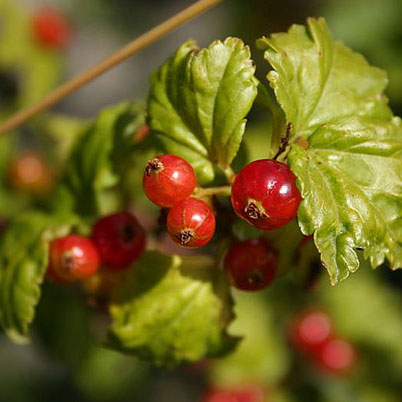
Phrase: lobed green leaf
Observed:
(345, 147)
(172, 310)
(198, 103)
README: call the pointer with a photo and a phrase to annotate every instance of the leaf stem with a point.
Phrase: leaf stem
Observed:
(206, 192)
(116, 58)
(229, 173)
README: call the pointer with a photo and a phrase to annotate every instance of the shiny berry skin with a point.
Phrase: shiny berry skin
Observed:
(336, 356)
(51, 29)
(310, 330)
(191, 223)
(120, 240)
(72, 258)
(251, 264)
(264, 193)
(168, 179)
(30, 173)
(245, 394)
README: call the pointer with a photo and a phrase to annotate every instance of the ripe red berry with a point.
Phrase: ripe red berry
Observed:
(264, 194)
(168, 179)
(191, 223)
(120, 239)
(244, 394)
(30, 173)
(336, 356)
(51, 28)
(72, 258)
(310, 330)
(251, 264)
(53, 277)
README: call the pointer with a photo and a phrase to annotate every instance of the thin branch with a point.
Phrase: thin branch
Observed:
(116, 58)
(206, 192)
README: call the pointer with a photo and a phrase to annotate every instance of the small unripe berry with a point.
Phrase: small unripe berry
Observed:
(191, 223)
(168, 179)
(120, 239)
(251, 264)
(30, 173)
(336, 356)
(51, 28)
(264, 193)
(72, 258)
(310, 330)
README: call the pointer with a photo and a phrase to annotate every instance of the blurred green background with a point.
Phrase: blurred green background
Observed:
(66, 362)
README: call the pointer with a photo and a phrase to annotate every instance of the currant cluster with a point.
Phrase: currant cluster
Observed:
(116, 242)
(264, 194)
(312, 334)
(244, 394)
(169, 182)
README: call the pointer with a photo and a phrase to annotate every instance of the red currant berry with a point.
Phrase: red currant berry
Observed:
(310, 330)
(244, 394)
(72, 258)
(336, 356)
(51, 28)
(264, 194)
(120, 239)
(168, 179)
(251, 264)
(30, 173)
(53, 277)
(191, 223)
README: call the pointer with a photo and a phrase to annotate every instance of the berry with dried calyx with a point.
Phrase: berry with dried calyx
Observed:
(168, 179)
(120, 239)
(264, 193)
(72, 258)
(251, 264)
(191, 223)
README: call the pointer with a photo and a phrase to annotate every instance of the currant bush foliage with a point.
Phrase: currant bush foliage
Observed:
(344, 146)
(172, 310)
(350, 168)
(198, 103)
(24, 259)
(97, 162)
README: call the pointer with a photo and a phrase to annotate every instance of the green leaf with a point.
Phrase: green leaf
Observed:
(172, 310)
(23, 262)
(191, 105)
(98, 162)
(345, 147)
